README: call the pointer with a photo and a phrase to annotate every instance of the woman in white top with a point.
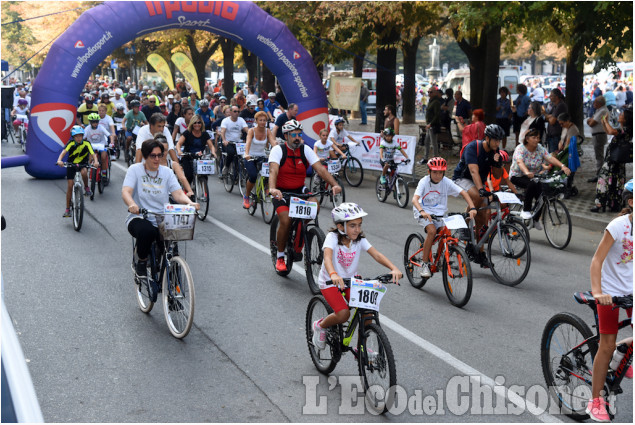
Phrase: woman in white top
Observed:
(181, 124)
(258, 138)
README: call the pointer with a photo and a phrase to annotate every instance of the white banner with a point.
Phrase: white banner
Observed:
(344, 93)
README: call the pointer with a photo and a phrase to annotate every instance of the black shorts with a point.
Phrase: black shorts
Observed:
(518, 121)
(505, 123)
(280, 205)
(70, 171)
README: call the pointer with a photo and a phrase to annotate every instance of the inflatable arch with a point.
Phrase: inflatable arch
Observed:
(103, 28)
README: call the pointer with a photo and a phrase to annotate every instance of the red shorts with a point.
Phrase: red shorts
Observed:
(609, 318)
(334, 297)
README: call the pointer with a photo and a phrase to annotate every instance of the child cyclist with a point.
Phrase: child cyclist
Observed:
(325, 150)
(431, 197)
(611, 275)
(343, 247)
(98, 137)
(78, 151)
(387, 150)
(494, 184)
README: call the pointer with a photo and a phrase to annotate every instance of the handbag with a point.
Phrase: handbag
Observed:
(620, 151)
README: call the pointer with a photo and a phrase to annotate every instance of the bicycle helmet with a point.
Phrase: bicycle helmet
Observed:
(222, 98)
(494, 131)
(77, 129)
(93, 117)
(627, 193)
(271, 94)
(437, 164)
(504, 155)
(120, 106)
(291, 125)
(134, 103)
(89, 98)
(23, 102)
(132, 91)
(347, 211)
(338, 121)
(203, 103)
(389, 131)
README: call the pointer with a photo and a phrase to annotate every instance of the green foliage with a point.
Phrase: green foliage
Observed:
(17, 39)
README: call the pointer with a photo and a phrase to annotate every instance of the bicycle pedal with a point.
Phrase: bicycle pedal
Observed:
(297, 256)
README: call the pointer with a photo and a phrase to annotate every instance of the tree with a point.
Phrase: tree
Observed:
(228, 46)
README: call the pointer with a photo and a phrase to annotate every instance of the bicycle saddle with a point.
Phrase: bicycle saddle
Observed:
(585, 297)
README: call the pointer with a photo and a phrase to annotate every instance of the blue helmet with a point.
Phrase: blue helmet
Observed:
(629, 186)
(338, 121)
(77, 129)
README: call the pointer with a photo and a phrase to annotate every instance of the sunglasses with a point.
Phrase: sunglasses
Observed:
(296, 134)
(155, 155)
(235, 111)
(198, 123)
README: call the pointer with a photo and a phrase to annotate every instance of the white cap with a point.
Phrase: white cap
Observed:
(119, 92)
(170, 96)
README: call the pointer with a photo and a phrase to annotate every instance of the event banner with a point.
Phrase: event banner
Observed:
(368, 150)
(344, 93)
(185, 65)
(162, 68)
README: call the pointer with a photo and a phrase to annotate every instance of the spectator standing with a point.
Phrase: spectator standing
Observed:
(554, 130)
(537, 94)
(520, 109)
(474, 131)
(504, 113)
(620, 97)
(463, 107)
(391, 120)
(447, 108)
(534, 120)
(363, 101)
(598, 134)
(433, 124)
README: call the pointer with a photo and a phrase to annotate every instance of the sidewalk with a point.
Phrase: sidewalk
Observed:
(579, 206)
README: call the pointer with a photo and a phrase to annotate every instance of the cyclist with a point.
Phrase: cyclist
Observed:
(231, 129)
(193, 140)
(494, 184)
(133, 120)
(118, 118)
(98, 137)
(105, 100)
(611, 275)
(107, 122)
(288, 164)
(258, 138)
(21, 108)
(324, 148)
(343, 247)
(249, 113)
(182, 123)
(431, 197)
(78, 151)
(387, 150)
(204, 112)
(338, 134)
(148, 185)
(85, 109)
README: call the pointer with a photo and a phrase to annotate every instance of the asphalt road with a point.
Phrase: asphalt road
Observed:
(95, 357)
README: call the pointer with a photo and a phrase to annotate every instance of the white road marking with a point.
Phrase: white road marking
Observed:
(420, 342)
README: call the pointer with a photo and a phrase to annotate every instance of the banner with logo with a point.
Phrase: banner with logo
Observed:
(344, 93)
(185, 65)
(162, 68)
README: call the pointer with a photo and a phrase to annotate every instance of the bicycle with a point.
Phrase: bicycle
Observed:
(352, 167)
(317, 184)
(567, 350)
(395, 184)
(77, 198)
(202, 166)
(508, 252)
(131, 153)
(96, 176)
(456, 269)
(120, 144)
(373, 352)
(22, 129)
(302, 234)
(235, 172)
(165, 265)
(260, 193)
(555, 215)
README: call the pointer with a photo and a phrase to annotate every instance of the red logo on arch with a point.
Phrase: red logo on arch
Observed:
(79, 44)
(296, 55)
(54, 120)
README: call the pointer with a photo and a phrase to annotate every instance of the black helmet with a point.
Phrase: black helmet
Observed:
(494, 131)
(388, 131)
(134, 103)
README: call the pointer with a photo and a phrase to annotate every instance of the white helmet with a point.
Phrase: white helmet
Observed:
(291, 125)
(347, 211)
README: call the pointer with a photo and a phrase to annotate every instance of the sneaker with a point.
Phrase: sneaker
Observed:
(382, 180)
(141, 269)
(67, 213)
(281, 266)
(525, 215)
(537, 225)
(596, 409)
(88, 192)
(629, 373)
(246, 203)
(482, 260)
(425, 271)
(319, 335)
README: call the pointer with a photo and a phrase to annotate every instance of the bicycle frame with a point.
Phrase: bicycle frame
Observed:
(443, 238)
(493, 227)
(347, 334)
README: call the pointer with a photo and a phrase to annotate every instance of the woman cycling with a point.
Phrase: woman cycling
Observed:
(343, 247)
(193, 141)
(182, 123)
(611, 275)
(258, 138)
(149, 185)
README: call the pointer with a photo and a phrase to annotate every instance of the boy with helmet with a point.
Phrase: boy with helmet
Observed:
(134, 119)
(98, 137)
(338, 134)
(494, 184)
(431, 197)
(206, 113)
(85, 109)
(343, 247)
(387, 150)
(78, 151)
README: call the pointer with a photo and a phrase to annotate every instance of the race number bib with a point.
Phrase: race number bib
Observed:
(389, 154)
(264, 171)
(118, 126)
(508, 198)
(299, 208)
(240, 148)
(179, 216)
(334, 166)
(206, 166)
(366, 294)
(136, 129)
(454, 222)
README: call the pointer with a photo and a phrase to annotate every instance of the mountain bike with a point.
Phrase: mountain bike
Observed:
(508, 252)
(97, 177)
(395, 184)
(120, 144)
(353, 171)
(260, 193)
(303, 234)
(168, 273)
(22, 129)
(77, 198)
(318, 185)
(375, 359)
(567, 350)
(202, 166)
(131, 152)
(455, 269)
(235, 172)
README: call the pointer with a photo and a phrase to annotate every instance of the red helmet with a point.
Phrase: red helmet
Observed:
(437, 164)
(504, 155)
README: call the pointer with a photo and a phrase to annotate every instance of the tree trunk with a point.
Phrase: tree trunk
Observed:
(200, 59)
(475, 50)
(490, 78)
(409, 70)
(251, 61)
(575, 78)
(268, 79)
(358, 64)
(386, 72)
(228, 46)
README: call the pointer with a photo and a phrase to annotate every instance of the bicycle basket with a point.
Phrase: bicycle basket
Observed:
(554, 185)
(176, 227)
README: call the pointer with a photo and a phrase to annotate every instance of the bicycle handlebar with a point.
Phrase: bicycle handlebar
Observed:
(73, 165)
(306, 195)
(625, 302)
(383, 278)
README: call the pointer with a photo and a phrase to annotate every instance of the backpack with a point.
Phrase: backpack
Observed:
(302, 156)
(462, 165)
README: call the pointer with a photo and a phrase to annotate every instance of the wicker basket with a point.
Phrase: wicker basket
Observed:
(554, 186)
(180, 227)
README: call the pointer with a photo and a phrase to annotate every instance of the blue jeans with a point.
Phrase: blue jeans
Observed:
(552, 143)
(362, 109)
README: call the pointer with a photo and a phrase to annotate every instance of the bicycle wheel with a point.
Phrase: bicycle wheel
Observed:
(401, 192)
(93, 181)
(315, 185)
(567, 362)
(353, 171)
(324, 360)
(458, 287)
(242, 178)
(23, 138)
(253, 201)
(266, 208)
(178, 297)
(557, 223)
(376, 368)
(509, 255)
(202, 196)
(78, 207)
(520, 223)
(413, 260)
(313, 257)
(273, 230)
(228, 178)
(381, 190)
(101, 183)
(336, 200)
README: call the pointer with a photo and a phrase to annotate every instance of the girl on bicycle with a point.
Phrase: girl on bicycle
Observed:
(611, 275)
(431, 197)
(343, 247)
(387, 150)
(259, 138)
(338, 135)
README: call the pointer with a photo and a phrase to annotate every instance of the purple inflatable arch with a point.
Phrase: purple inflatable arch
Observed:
(103, 28)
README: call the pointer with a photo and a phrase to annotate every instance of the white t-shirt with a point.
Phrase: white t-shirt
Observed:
(323, 150)
(120, 101)
(233, 128)
(345, 260)
(617, 270)
(389, 149)
(434, 197)
(106, 122)
(180, 124)
(98, 137)
(149, 192)
(339, 138)
(145, 134)
(538, 95)
(276, 154)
